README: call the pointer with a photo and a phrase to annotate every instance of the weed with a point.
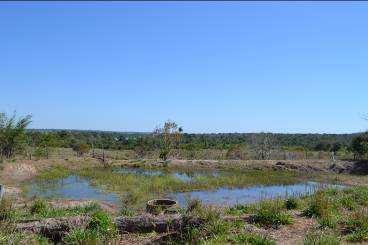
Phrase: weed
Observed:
(291, 203)
(271, 214)
(329, 221)
(253, 239)
(317, 238)
(6, 208)
(81, 236)
(39, 206)
(238, 209)
(319, 206)
(357, 225)
(102, 224)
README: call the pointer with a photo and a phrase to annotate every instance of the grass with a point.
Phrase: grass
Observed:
(321, 238)
(137, 189)
(291, 203)
(341, 212)
(99, 230)
(216, 230)
(271, 214)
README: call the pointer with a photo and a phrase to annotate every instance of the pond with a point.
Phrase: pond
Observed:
(114, 185)
(72, 187)
(183, 175)
(247, 195)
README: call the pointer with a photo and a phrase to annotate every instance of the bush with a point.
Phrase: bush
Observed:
(102, 224)
(291, 203)
(359, 145)
(319, 206)
(271, 214)
(80, 236)
(39, 207)
(321, 239)
(6, 207)
(357, 226)
(245, 238)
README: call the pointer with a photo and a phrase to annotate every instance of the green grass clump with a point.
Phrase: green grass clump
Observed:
(324, 206)
(357, 226)
(56, 172)
(319, 206)
(102, 224)
(238, 209)
(271, 214)
(100, 230)
(318, 238)
(6, 209)
(291, 203)
(252, 239)
(81, 236)
(39, 206)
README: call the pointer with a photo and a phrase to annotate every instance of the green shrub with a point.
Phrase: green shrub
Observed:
(321, 239)
(291, 203)
(347, 201)
(319, 206)
(358, 236)
(271, 214)
(238, 209)
(6, 207)
(81, 236)
(102, 224)
(329, 221)
(245, 238)
(39, 207)
(194, 206)
(357, 226)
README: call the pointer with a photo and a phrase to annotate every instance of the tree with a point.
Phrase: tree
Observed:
(44, 144)
(169, 138)
(12, 133)
(323, 146)
(81, 149)
(236, 152)
(264, 144)
(359, 145)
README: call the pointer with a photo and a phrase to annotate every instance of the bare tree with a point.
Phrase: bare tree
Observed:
(264, 144)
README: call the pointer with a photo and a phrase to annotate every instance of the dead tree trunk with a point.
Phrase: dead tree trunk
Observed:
(56, 228)
(160, 224)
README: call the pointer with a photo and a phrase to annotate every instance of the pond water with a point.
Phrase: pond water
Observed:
(80, 188)
(247, 195)
(72, 187)
(185, 176)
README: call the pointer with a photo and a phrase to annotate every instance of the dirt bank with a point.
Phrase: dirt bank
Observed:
(307, 166)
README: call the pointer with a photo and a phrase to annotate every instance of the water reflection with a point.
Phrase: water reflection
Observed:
(233, 196)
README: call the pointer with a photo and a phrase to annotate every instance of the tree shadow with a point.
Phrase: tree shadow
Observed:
(359, 167)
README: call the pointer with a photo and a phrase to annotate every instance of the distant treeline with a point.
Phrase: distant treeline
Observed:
(132, 140)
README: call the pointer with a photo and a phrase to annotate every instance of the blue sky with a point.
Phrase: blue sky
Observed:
(210, 66)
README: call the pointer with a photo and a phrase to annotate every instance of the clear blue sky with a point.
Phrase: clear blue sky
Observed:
(210, 66)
